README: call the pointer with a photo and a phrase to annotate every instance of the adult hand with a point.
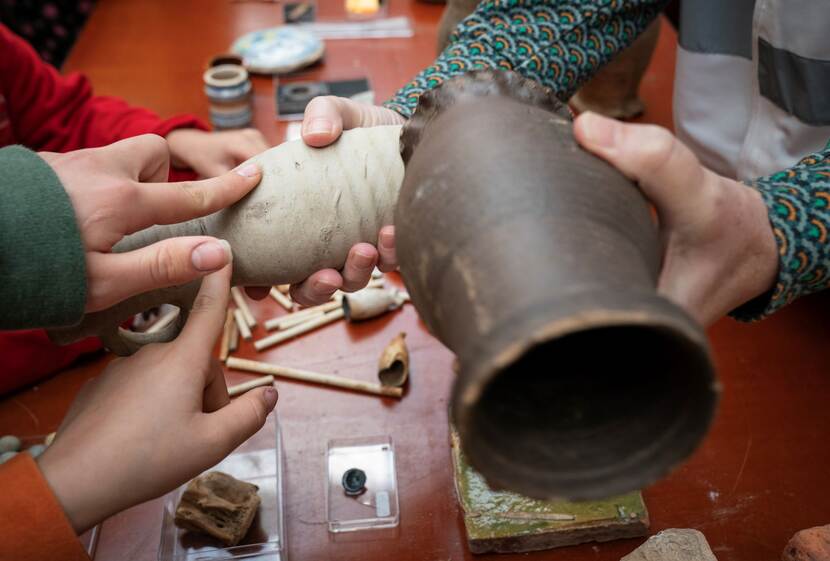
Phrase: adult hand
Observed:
(119, 189)
(213, 153)
(326, 117)
(152, 421)
(718, 247)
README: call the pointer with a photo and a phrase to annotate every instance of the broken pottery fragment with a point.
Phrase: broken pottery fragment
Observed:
(812, 544)
(371, 302)
(673, 545)
(393, 366)
(217, 505)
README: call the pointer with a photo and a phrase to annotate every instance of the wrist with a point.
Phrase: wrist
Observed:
(761, 261)
(69, 482)
(726, 256)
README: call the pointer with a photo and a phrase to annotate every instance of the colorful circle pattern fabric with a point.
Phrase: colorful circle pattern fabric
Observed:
(558, 44)
(798, 202)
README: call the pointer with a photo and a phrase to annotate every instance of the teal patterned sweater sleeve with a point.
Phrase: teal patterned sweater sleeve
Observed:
(558, 43)
(798, 201)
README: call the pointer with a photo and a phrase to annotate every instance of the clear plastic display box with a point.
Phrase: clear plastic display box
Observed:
(376, 505)
(259, 461)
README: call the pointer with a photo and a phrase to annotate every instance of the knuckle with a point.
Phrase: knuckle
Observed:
(126, 192)
(658, 148)
(256, 415)
(204, 301)
(164, 267)
(153, 141)
(196, 196)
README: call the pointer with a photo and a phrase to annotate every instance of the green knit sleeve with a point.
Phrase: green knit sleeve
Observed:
(559, 44)
(42, 268)
(798, 202)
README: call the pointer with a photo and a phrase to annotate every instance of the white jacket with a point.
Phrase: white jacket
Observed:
(752, 86)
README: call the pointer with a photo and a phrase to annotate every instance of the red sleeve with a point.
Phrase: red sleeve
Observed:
(34, 525)
(59, 113)
(29, 356)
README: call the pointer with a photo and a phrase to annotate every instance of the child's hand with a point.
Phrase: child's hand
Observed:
(152, 421)
(114, 192)
(213, 153)
(326, 117)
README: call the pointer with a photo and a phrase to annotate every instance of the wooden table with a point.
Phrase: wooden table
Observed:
(760, 476)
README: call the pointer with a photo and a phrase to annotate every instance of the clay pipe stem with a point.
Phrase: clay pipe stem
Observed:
(163, 321)
(242, 325)
(312, 377)
(305, 327)
(225, 344)
(280, 322)
(238, 389)
(281, 299)
(242, 304)
(291, 321)
(233, 338)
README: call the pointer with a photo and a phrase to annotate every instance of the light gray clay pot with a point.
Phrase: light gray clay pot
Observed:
(536, 263)
(310, 207)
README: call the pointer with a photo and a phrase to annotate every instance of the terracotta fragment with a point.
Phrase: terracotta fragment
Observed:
(812, 544)
(673, 545)
(217, 505)
(393, 366)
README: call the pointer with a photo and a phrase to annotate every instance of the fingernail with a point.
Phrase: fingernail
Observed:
(600, 131)
(324, 287)
(250, 170)
(319, 126)
(212, 255)
(363, 261)
(387, 240)
(270, 397)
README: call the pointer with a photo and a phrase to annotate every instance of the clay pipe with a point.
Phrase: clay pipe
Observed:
(371, 302)
(311, 206)
(393, 366)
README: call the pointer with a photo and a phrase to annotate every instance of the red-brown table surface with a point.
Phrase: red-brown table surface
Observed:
(760, 475)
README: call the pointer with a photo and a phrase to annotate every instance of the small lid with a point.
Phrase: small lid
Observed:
(225, 76)
(278, 49)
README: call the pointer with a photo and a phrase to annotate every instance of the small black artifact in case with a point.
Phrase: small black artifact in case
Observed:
(354, 482)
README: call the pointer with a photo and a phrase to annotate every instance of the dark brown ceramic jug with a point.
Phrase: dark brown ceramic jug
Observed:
(536, 263)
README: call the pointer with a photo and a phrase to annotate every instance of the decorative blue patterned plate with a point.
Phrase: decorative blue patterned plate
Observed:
(278, 50)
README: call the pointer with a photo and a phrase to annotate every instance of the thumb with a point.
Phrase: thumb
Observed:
(326, 117)
(113, 277)
(668, 173)
(236, 422)
(207, 316)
